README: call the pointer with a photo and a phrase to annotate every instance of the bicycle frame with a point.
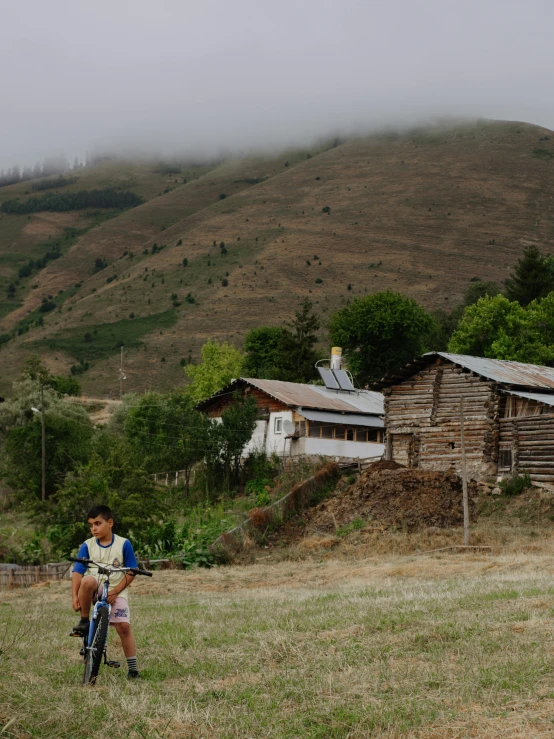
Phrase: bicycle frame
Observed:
(102, 601)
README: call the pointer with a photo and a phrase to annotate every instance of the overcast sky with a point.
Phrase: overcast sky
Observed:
(213, 75)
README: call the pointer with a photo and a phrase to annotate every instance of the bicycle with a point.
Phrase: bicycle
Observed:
(95, 642)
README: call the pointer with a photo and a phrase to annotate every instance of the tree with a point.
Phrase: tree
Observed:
(483, 323)
(221, 363)
(261, 347)
(379, 333)
(532, 278)
(501, 329)
(110, 477)
(228, 440)
(68, 432)
(286, 352)
(446, 322)
(166, 433)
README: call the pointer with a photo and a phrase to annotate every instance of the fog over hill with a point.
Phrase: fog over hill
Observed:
(217, 77)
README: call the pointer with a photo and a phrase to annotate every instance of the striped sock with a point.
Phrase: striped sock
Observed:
(132, 663)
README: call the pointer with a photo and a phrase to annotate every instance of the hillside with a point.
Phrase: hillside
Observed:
(421, 213)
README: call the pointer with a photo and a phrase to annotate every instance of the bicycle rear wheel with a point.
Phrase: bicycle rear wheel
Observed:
(93, 657)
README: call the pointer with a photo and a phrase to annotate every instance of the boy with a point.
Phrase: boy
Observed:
(107, 548)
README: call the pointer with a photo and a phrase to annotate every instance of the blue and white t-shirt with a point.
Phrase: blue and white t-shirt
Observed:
(119, 554)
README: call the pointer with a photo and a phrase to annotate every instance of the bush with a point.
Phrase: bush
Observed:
(516, 484)
(224, 282)
(326, 209)
(318, 281)
(47, 305)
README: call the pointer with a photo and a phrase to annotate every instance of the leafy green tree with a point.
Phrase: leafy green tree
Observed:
(286, 352)
(261, 347)
(228, 440)
(221, 363)
(166, 433)
(532, 278)
(380, 332)
(68, 442)
(446, 322)
(483, 323)
(110, 477)
(500, 329)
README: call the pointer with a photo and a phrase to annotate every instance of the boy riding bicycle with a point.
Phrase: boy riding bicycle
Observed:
(106, 548)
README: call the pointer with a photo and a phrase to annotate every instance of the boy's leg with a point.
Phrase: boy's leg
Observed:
(89, 586)
(127, 639)
(125, 632)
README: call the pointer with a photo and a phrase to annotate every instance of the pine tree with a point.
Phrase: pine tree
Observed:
(533, 277)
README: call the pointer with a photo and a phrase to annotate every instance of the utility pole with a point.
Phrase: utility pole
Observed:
(121, 375)
(464, 476)
(43, 424)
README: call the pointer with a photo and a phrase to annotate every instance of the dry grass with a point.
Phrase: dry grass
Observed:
(427, 647)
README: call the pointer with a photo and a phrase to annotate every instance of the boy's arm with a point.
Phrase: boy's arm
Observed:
(76, 578)
(77, 575)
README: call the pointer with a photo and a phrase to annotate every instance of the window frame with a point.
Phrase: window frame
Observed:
(278, 425)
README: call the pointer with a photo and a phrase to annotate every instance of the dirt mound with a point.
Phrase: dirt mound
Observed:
(394, 496)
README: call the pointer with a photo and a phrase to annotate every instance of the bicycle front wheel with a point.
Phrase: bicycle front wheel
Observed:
(93, 657)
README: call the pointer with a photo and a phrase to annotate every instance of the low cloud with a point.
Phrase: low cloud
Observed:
(199, 79)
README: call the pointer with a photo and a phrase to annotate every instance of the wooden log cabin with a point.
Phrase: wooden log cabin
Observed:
(508, 416)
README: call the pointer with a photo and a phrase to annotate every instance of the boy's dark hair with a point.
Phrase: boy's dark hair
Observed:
(100, 510)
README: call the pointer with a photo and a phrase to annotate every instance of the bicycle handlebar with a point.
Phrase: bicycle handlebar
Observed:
(133, 570)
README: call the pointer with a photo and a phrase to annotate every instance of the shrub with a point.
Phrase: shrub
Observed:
(516, 484)
(185, 262)
(318, 281)
(224, 282)
(47, 305)
(326, 209)
(222, 196)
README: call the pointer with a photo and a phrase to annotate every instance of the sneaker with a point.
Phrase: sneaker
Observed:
(133, 674)
(82, 627)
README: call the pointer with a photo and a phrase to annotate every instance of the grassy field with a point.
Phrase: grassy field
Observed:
(438, 646)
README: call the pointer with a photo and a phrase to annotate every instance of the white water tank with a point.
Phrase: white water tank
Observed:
(336, 357)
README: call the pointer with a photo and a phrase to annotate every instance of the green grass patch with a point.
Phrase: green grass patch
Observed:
(91, 343)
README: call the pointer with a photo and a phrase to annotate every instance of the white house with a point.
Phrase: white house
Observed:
(299, 419)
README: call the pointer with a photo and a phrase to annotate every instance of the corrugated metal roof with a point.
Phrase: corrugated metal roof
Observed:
(539, 397)
(499, 370)
(297, 395)
(348, 419)
(509, 373)
(366, 401)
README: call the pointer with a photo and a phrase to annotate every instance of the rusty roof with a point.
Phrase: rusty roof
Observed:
(514, 374)
(297, 395)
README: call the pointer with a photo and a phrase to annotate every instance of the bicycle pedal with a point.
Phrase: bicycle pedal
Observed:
(112, 663)
(82, 651)
(76, 633)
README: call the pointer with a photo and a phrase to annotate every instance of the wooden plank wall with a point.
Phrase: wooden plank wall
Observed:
(423, 418)
(531, 443)
(265, 402)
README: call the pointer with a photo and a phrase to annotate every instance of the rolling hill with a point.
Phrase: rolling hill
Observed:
(422, 213)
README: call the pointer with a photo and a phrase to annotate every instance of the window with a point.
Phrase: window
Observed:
(505, 458)
(278, 427)
(374, 435)
(349, 434)
(315, 430)
(327, 432)
(361, 435)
